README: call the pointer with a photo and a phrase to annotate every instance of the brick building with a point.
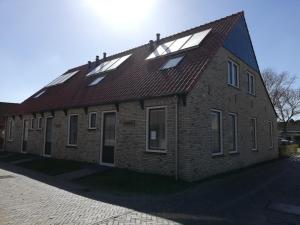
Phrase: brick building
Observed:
(190, 105)
(5, 110)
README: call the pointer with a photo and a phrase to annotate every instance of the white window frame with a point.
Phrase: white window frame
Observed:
(236, 131)
(147, 129)
(221, 152)
(270, 129)
(69, 119)
(10, 130)
(228, 73)
(249, 75)
(39, 123)
(90, 115)
(255, 138)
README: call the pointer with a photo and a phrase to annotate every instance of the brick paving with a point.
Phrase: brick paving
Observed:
(26, 201)
(238, 199)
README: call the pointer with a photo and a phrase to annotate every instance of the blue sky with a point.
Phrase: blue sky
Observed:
(40, 40)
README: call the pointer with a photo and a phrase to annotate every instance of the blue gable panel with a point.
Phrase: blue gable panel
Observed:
(239, 43)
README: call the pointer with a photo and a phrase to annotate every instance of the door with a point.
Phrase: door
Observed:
(108, 138)
(25, 136)
(48, 137)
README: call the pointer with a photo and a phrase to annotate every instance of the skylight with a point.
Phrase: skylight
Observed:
(61, 79)
(96, 81)
(179, 44)
(172, 63)
(39, 94)
(109, 65)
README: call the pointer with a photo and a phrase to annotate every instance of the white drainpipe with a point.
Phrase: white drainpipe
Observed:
(176, 138)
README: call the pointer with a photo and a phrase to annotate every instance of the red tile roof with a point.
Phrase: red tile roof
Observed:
(136, 78)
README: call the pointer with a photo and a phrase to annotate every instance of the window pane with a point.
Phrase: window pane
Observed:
(157, 129)
(270, 134)
(73, 126)
(216, 132)
(11, 125)
(235, 75)
(109, 129)
(232, 133)
(253, 133)
(93, 120)
(230, 81)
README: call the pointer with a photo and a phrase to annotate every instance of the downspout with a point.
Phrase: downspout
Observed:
(5, 132)
(176, 138)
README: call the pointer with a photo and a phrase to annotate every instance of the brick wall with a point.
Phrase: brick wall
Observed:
(213, 92)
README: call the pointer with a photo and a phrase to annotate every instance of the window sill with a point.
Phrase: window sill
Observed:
(253, 95)
(254, 150)
(234, 153)
(71, 146)
(92, 128)
(161, 152)
(217, 155)
(10, 140)
(236, 87)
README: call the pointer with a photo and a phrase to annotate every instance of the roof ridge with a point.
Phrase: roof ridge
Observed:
(170, 36)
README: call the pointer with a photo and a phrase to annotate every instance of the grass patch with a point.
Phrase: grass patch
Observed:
(51, 167)
(15, 157)
(126, 182)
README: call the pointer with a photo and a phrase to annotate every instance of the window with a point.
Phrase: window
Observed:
(10, 129)
(233, 74)
(179, 44)
(232, 133)
(40, 121)
(32, 124)
(61, 79)
(109, 65)
(156, 129)
(92, 120)
(172, 62)
(96, 81)
(72, 130)
(251, 84)
(270, 132)
(216, 132)
(253, 134)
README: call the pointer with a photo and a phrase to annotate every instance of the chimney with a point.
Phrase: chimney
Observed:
(97, 60)
(151, 43)
(89, 64)
(157, 38)
(104, 55)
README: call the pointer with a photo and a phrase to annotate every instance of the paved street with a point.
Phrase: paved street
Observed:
(243, 198)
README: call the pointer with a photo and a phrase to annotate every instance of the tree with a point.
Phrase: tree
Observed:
(285, 98)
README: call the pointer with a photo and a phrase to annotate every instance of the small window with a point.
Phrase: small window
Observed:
(233, 74)
(92, 120)
(72, 130)
(96, 81)
(251, 84)
(253, 134)
(232, 133)
(270, 131)
(39, 124)
(32, 124)
(216, 132)
(172, 63)
(157, 131)
(39, 94)
(10, 129)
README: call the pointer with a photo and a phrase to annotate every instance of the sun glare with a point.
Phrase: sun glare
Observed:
(121, 13)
